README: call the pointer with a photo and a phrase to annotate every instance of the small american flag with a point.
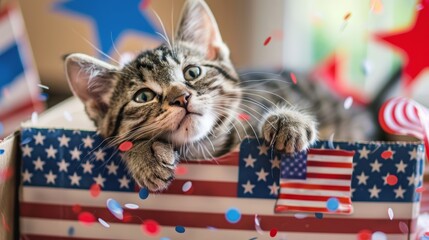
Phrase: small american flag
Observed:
(309, 179)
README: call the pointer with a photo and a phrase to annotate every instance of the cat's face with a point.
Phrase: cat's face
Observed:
(178, 92)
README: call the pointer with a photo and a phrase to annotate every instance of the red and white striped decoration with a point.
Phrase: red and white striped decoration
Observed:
(404, 116)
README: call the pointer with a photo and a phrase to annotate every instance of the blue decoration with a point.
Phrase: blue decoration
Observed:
(180, 229)
(233, 215)
(70, 231)
(111, 18)
(144, 193)
(115, 208)
(332, 204)
(319, 215)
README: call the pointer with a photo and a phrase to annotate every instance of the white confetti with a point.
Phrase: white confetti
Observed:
(34, 117)
(390, 212)
(300, 215)
(331, 141)
(348, 102)
(131, 206)
(186, 186)
(366, 67)
(104, 223)
(43, 86)
(68, 116)
(258, 225)
(378, 236)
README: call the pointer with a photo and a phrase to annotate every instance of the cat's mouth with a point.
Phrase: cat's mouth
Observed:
(186, 117)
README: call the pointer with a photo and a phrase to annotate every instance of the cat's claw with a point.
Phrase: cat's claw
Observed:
(152, 164)
(289, 131)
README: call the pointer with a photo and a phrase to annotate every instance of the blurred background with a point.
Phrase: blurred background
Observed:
(360, 49)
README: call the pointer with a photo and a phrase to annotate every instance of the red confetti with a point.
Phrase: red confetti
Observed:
(5, 225)
(420, 189)
(125, 146)
(95, 190)
(5, 174)
(150, 227)
(268, 40)
(181, 170)
(292, 76)
(403, 227)
(391, 180)
(273, 232)
(426, 233)
(243, 116)
(387, 154)
(144, 4)
(76, 208)
(364, 235)
(86, 218)
(347, 16)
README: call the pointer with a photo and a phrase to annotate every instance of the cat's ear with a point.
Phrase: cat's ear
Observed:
(92, 81)
(198, 26)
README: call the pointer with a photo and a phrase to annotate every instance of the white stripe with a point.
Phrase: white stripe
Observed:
(204, 172)
(330, 170)
(302, 203)
(332, 182)
(7, 39)
(60, 228)
(325, 193)
(325, 158)
(188, 203)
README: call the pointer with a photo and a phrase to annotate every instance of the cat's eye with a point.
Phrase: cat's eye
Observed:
(192, 72)
(144, 95)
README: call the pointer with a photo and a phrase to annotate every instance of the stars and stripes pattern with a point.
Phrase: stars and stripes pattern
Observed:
(19, 93)
(309, 179)
(59, 167)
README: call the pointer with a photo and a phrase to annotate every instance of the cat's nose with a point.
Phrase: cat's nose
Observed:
(181, 101)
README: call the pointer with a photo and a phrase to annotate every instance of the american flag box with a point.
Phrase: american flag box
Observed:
(71, 180)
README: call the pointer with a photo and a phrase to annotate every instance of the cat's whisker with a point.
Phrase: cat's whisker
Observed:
(97, 49)
(265, 91)
(165, 37)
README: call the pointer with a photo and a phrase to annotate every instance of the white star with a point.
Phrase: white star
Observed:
(248, 187)
(87, 167)
(112, 168)
(50, 178)
(385, 178)
(26, 150)
(352, 190)
(76, 132)
(411, 179)
(263, 149)
(63, 165)
(400, 167)
(74, 180)
(275, 163)
(399, 192)
(64, 141)
(39, 138)
(87, 142)
(38, 164)
(51, 152)
(374, 192)
(99, 155)
(362, 178)
(75, 154)
(26, 176)
(99, 180)
(363, 153)
(375, 166)
(274, 189)
(249, 161)
(124, 182)
(262, 175)
(413, 154)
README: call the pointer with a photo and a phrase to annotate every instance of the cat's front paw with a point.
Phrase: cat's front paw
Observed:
(153, 166)
(289, 131)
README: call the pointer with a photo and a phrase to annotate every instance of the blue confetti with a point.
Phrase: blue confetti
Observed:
(115, 208)
(1, 151)
(180, 229)
(43, 97)
(233, 215)
(25, 141)
(318, 215)
(144, 193)
(332, 204)
(70, 232)
(164, 238)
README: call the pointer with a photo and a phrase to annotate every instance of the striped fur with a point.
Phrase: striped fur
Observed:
(204, 123)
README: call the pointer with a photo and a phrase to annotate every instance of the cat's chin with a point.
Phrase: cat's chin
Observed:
(193, 127)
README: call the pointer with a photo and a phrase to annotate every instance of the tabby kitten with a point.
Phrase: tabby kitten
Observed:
(183, 101)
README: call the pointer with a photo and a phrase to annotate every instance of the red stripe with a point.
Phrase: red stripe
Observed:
(30, 104)
(282, 208)
(329, 176)
(330, 152)
(217, 220)
(345, 200)
(204, 188)
(314, 186)
(4, 11)
(311, 163)
(230, 159)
